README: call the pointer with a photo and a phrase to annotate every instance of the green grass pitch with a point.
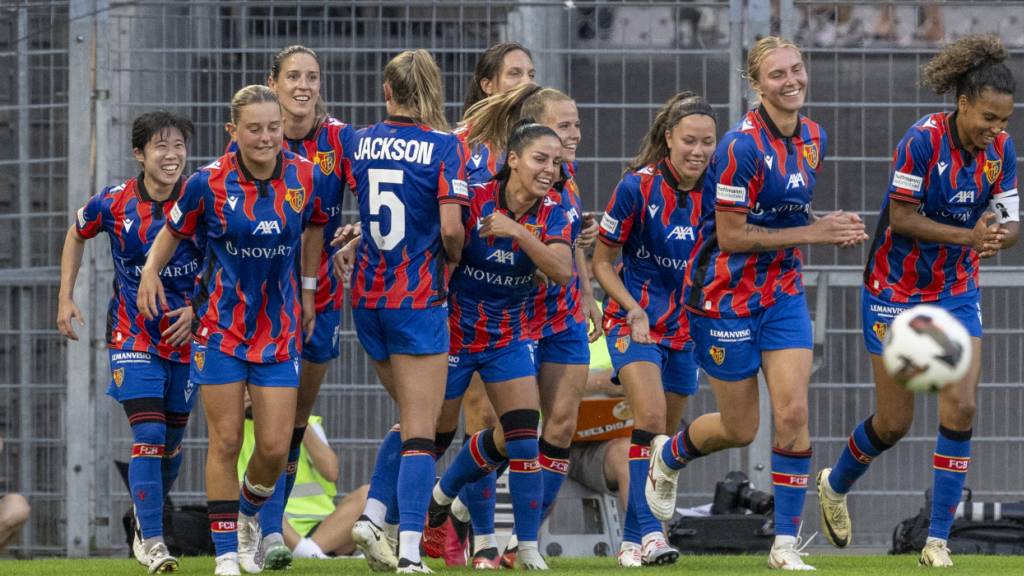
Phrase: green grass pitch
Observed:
(703, 565)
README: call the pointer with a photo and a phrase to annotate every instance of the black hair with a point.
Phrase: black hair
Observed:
(653, 147)
(523, 133)
(969, 66)
(489, 66)
(149, 124)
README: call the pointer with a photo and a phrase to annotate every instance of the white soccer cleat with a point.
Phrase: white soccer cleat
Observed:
(277, 557)
(138, 544)
(936, 555)
(160, 559)
(629, 555)
(788, 556)
(530, 559)
(406, 566)
(227, 565)
(374, 545)
(249, 539)
(833, 512)
(660, 488)
(655, 551)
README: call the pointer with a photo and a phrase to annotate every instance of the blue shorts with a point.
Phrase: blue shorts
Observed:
(387, 331)
(730, 348)
(323, 346)
(678, 370)
(211, 366)
(571, 346)
(513, 361)
(877, 314)
(135, 375)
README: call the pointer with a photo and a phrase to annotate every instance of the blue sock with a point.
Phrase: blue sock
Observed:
(294, 451)
(639, 464)
(415, 481)
(252, 497)
(554, 466)
(272, 513)
(173, 453)
(384, 481)
(790, 471)
(524, 478)
(477, 458)
(631, 531)
(223, 516)
(863, 446)
(480, 498)
(144, 476)
(679, 450)
(950, 463)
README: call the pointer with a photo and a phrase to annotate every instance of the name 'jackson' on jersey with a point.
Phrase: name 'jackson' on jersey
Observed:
(491, 287)
(132, 219)
(655, 223)
(932, 169)
(403, 171)
(247, 304)
(758, 171)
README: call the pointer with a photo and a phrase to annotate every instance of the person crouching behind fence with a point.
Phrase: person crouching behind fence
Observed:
(149, 358)
(252, 207)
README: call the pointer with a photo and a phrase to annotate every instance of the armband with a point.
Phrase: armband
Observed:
(1006, 206)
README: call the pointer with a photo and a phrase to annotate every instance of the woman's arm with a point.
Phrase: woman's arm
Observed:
(70, 262)
(905, 220)
(605, 256)
(736, 235)
(151, 298)
(589, 304)
(553, 260)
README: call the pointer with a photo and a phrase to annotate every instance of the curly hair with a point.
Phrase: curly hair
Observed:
(968, 66)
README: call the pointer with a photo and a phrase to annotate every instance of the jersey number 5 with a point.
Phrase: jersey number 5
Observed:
(389, 199)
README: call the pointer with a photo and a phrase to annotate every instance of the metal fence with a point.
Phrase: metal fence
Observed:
(78, 72)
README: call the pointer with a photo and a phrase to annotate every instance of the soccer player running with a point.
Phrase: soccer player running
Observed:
(745, 297)
(313, 134)
(410, 183)
(148, 356)
(952, 199)
(514, 228)
(650, 222)
(253, 207)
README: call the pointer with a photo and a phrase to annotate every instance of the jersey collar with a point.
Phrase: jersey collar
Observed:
(404, 120)
(671, 177)
(248, 177)
(772, 128)
(954, 138)
(503, 205)
(311, 135)
(140, 186)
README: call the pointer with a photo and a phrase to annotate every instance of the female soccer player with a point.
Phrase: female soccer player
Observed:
(252, 207)
(313, 134)
(952, 199)
(410, 182)
(501, 68)
(745, 294)
(513, 231)
(148, 358)
(650, 221)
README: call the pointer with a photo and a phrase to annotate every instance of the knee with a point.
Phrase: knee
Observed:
(791, 419)
(559, 431)
(226, 447)
(276, 452)
(963, 410)
(739, 434)
(16, 509)
(649, 418)
(892, 430)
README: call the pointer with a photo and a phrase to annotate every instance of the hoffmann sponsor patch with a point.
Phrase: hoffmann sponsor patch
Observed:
(175, 213)
(907, 181)
(730, 193)
(460, 188)
(81, 217)
(609, 224)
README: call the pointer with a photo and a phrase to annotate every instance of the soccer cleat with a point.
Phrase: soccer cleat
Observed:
(277, 557)
(529, 559)
(435, 533)
(508, 557)
(227, 565)
(138, 545)
(660, 489)
(833, 513)
(160, 560)
(486, 559)
(656, 551)
(936, 555)
(374, 545)
(406, 566)
(249, 544)
(787, 557)
(629, 555)
(457, 544)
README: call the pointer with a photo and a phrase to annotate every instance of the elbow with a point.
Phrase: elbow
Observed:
(562, 273)
(729, 243)
(331, 474)
(452, 232)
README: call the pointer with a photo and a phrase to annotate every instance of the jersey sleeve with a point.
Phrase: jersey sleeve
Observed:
(187, 212)
(557, 229)
(315, 212)
(1005, 201)
(451, 181)
(89, 219)
(910, 167)
(620, 214)
(347, 139)
(738, 184)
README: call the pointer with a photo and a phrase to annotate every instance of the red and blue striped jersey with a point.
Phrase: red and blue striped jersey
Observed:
(404, 171)
(132, 219)
(932, 169)
(483, 164)
(655, 223)
(758, 171)
(491, 287)
(247, 304)
(557, 308)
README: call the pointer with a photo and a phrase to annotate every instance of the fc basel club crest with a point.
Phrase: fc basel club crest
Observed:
(992, 169)
(718, 355)
(811, 155)
(534, 229)
(621, 344)
(200, 359)
(879, 328)
(296, 197)
(119, 377)
(325, 160)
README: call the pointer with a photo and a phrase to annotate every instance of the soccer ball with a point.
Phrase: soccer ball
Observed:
(926, 349)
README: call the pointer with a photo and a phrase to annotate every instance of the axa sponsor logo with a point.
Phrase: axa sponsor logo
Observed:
(681, 233)
(500, 256)
(266, 228)
(963, 197)
(795, 181)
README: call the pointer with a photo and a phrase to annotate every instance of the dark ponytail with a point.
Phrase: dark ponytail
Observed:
(523, 133)
(968, 66)
(654, 147)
